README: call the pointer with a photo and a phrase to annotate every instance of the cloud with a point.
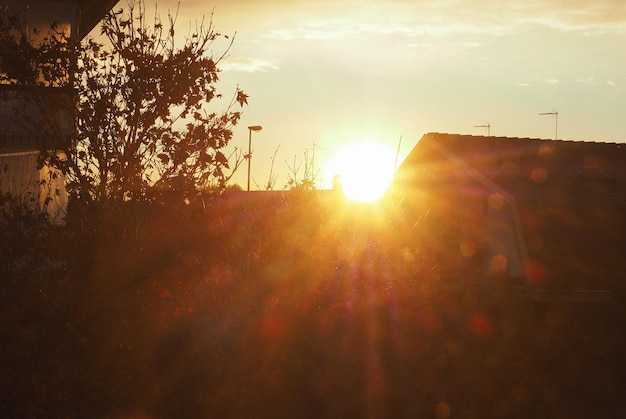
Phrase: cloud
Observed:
(470, 44)
(592, 80)
(552, 81)
(248, 64)
(598, 15)
(327, 30)
(587, 80)
(414, 45)
(523, 84)
(408, 21)
(324, 19)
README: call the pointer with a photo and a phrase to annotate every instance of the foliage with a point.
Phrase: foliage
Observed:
(139, 104)
(302, 174)
(271, 179)
(23, 230)
(289, 308)
(283, 305)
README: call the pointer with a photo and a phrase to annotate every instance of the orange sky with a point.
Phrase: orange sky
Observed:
(332, 72)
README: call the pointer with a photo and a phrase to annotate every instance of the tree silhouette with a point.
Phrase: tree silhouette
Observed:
(138, 104)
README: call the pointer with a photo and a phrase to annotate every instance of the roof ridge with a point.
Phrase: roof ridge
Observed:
(560, 140)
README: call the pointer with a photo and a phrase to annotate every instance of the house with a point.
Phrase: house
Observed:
(23, 132)
(544, 217)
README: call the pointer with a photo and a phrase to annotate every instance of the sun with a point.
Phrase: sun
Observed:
(363, 169)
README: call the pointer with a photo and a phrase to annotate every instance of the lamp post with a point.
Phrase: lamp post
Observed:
(255, 128)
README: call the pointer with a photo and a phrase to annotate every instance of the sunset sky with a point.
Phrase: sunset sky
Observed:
(334, 72)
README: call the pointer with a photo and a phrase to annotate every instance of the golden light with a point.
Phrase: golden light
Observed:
(364, 168)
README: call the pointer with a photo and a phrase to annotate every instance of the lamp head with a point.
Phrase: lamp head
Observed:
(255, 128)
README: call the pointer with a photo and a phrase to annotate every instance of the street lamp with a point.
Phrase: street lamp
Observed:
(255, 128)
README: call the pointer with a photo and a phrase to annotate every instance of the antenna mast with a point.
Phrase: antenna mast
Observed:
(556, 123)
(315, 147)
(395, 163)
(487, 125)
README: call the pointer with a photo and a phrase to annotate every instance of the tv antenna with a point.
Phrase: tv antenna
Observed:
(395, 163)
(556, 122)
(315, 147)
(487, 125)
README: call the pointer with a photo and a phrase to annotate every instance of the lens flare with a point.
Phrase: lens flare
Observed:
(363, 169)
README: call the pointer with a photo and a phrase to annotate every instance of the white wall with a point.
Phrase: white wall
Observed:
(40, 14)
(20, 177)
